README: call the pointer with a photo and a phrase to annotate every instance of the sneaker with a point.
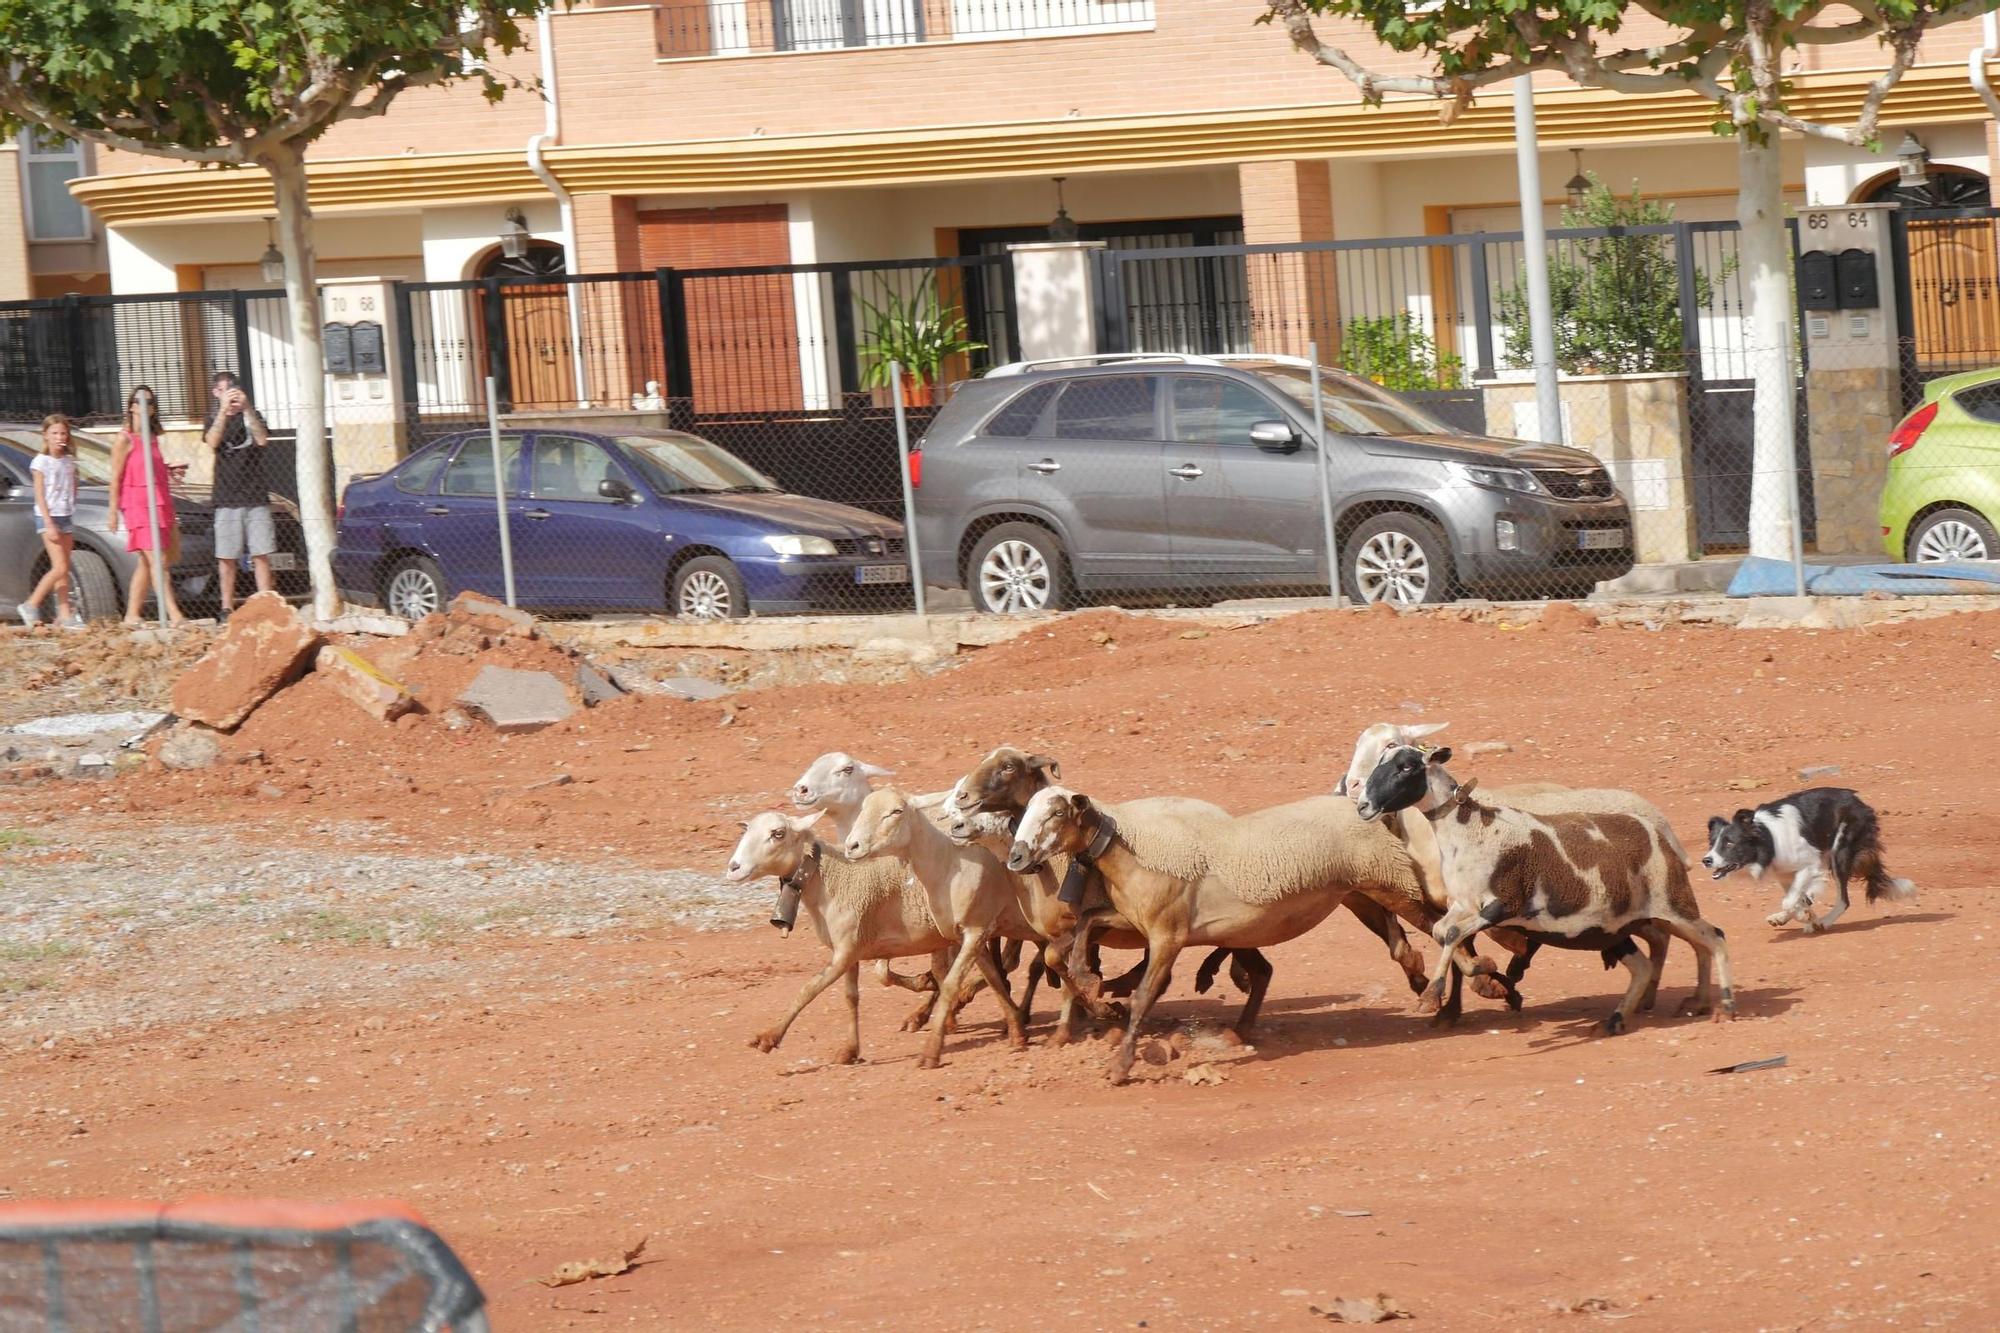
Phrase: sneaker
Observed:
(75, 621)
(31, 616)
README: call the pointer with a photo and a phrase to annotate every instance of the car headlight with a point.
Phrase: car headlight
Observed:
(791, 543)
(1501, 478)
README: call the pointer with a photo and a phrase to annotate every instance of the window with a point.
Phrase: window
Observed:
(1981, 401)
(674, 463)
(471, 473)
(1108, 408)
(415, 477)
(48, 164)
(1208, 410)
(567, 469)
(1020, 417)
(1354, 406)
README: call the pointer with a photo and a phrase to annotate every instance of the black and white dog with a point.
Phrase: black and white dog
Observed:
(1814, 835)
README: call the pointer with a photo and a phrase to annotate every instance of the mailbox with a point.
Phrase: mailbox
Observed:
(1817, 288)
(339, 347)
(1855, 270)
(367, 344)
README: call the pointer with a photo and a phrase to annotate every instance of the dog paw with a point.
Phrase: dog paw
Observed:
(1813, 927)
(1778, 918)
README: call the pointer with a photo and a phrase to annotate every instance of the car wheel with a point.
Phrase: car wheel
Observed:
(1952, 535)
(709, 588)
(414, 587)
(92, 589)
(1019, 568)
(1397, 558)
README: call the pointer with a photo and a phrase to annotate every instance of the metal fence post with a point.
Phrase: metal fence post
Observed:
(499, 374)
(909, 491)
(674, 354)
(1325, 478)
(500, 492)
(406, 354)
(77, 335)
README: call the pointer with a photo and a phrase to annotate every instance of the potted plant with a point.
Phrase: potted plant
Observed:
(915, 331)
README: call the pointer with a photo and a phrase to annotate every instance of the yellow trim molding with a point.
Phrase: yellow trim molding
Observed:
(1928, 95)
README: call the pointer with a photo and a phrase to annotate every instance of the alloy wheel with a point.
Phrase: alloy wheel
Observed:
(1014, 577)
(1391, 567)
(705, 596)
(413, 594)
(1952, 539)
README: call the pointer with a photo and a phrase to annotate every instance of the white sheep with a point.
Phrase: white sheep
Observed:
(1589, 877)
(860, 910)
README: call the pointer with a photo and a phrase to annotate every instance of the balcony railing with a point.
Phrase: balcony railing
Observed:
(696, 28)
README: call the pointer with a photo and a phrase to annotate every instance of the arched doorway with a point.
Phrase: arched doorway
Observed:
(541, 363)
(1954, 265)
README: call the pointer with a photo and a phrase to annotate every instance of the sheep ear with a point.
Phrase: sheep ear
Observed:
(1418, 731)
(800, 823)
(873, 770)
(1046, 765)
(1079, 803)
(743, 824)
(1441, 755)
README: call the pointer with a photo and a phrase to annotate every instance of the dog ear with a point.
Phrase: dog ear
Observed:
(1746, 817)
(1716, 824)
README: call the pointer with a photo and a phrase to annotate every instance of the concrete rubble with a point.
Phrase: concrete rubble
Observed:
(363, 684)
(516, 701)
(265, 648)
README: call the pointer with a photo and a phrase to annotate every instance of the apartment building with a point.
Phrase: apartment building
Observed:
(50, 244)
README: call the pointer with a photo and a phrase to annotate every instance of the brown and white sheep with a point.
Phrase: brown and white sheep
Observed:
(1247, 882)
(1589, 877)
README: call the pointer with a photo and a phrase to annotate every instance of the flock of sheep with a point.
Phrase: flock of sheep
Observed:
(1010, 857)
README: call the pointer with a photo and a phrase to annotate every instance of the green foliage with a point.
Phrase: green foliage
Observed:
(913, 330)
(1395, 352)
(1616, 299)
(221, 78)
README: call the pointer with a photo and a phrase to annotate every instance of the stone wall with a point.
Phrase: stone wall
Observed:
(1851, 413)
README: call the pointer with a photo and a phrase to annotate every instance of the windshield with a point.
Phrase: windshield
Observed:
(679, 463)
(1355, 407)
(93, 458)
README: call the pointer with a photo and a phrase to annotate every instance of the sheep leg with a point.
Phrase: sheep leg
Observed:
(920, 1017)
(1252, 971)
(1037, 969)
(1454, 1002)
(1710, 947)
(1386, 928)
(1641, 967)
(1458, 927)
(922, 983)
(1161, 951)
(1017, 1032)
(1656, 949)
(1125, 983)
(970, 945)
(850, 986)
(843, 960)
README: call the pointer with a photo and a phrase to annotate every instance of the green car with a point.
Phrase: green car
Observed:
(1941, 500)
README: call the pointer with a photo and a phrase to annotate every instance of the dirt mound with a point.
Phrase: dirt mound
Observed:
(103, 667)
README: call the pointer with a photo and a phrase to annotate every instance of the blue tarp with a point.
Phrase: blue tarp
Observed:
(1758, 577)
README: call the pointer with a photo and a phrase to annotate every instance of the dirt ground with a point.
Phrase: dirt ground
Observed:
(492, 1019)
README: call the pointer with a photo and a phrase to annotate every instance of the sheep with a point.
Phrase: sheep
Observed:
(1536, 798)
(860, 910)
(838, 783)
(1588, 876)
(1184, 878)
(970, 895)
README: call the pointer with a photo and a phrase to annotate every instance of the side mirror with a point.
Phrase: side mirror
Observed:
(1274, 437)
(611, 488)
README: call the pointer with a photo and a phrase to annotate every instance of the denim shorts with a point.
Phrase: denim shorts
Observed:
(63, 522)
(245, 531)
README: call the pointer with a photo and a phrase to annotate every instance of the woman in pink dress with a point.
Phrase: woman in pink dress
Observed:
(136, 448)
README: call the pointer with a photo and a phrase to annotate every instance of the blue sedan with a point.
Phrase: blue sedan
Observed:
(628, 522)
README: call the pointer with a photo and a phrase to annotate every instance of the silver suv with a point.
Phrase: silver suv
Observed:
(1043, 483)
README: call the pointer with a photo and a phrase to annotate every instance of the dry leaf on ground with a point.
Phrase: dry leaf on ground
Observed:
(582, 1270)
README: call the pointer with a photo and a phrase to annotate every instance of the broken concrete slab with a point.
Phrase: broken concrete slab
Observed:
(387, 627)
(363, 684)
(596, 687)
(515, 701)
(265, 648)
(82, 726)
(486, 608)
(189, 748)
(693, 688)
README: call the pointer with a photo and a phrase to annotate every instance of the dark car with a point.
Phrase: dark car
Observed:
(1041, 482)
(639, 521)
(100, 567)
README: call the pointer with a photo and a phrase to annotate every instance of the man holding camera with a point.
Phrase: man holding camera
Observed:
(243, 523)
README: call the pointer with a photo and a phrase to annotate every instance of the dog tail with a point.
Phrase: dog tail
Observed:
(1881, 884)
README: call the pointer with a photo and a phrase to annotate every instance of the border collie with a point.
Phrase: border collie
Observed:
(1814, 835)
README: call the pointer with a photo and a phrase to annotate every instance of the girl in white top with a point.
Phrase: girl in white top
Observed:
(55, 514)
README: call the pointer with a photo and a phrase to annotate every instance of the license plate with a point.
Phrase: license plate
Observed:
(882, 574)
(284, 562)
(1600, 539)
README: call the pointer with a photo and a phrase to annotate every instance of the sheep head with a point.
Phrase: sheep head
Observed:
(1003, 783)
(835, 781)
(1376, 740)
(773, 843)
(1054, 825)
(882, 825)
(1406, 775)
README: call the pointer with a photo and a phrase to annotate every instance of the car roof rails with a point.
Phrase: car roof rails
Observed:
(1171, 358)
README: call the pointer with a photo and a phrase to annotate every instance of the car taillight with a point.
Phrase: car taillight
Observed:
(1905, 435)
(916, 468)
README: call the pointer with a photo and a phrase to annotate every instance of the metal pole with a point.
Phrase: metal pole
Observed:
(1535, 254)
(909, 491)
(148, 448)
(1798, 534)
(1325, 478)
(500, 492)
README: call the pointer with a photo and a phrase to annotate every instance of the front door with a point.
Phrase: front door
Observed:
(461, 523)
(580, 548)
(1094, 460)
(1236, 514)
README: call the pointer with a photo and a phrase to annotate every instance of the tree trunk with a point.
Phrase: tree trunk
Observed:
(315, 456)
(1766, 254)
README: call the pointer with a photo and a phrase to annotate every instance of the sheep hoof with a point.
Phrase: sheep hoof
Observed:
(765, 1041)
(1446, 1017)
(928, 1060)
(848, 1055)
(1489, 987)
(1692, 1008)
(1119, 1069)
(1060, 1037)
(1725, 1014)
(1614, 1024)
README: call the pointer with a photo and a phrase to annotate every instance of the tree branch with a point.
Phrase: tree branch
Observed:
(15, 100)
